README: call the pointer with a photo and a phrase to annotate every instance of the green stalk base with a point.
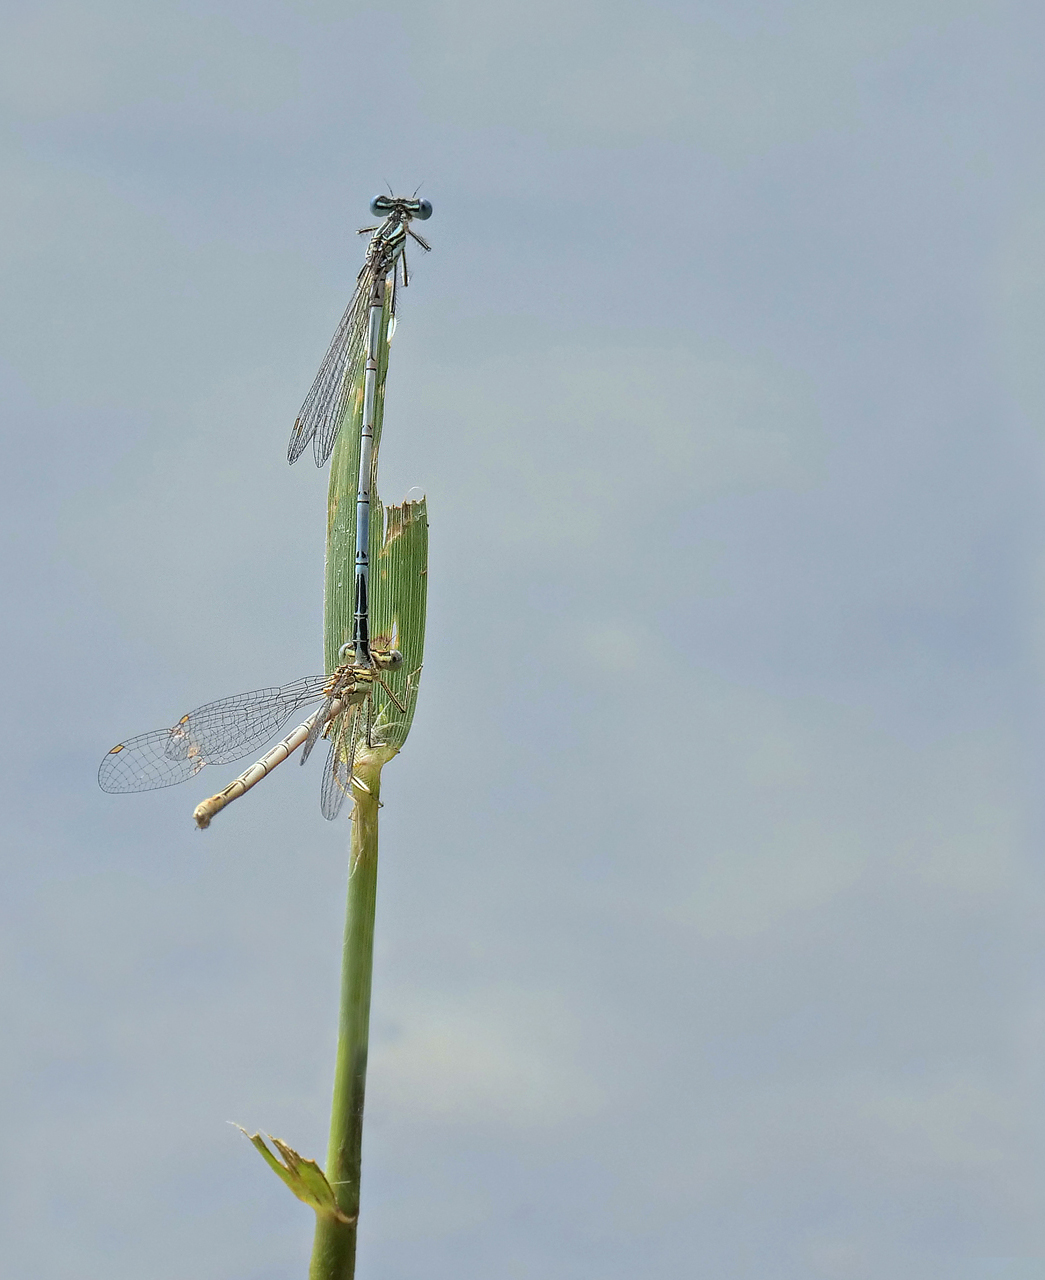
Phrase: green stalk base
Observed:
(334, 1247)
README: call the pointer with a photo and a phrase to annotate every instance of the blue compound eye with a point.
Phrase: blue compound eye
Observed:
(381, 204)
(424, 210)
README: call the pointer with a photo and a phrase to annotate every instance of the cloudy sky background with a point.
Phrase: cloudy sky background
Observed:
(711, 895)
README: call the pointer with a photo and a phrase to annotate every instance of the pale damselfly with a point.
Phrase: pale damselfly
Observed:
(227, 730)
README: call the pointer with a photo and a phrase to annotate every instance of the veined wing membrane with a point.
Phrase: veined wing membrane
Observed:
(228, 729)
(327, 399)
(319, 723)
(337, 776)
(343, 377)
(216, 733)
(142, 764)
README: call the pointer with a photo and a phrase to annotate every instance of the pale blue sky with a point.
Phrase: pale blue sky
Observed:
(711, 896)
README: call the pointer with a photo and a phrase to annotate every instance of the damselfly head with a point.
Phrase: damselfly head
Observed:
(382, 206)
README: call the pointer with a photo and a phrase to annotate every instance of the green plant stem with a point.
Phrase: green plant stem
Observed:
(334, 1247)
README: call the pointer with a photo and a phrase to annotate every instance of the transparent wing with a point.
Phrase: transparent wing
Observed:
(337, 776)
(142, 764)
(328, 425)
(318, 722)
(216, 733)
(325, 404)
(230, 728)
